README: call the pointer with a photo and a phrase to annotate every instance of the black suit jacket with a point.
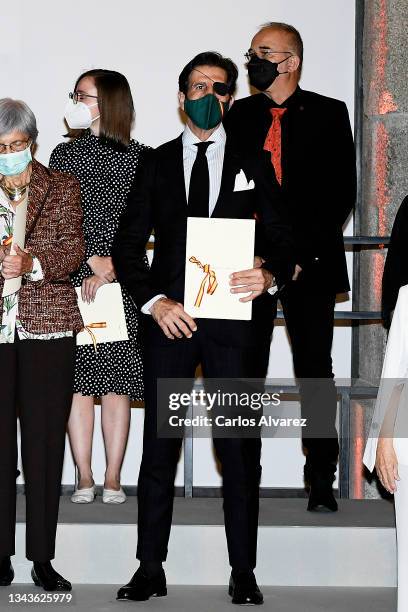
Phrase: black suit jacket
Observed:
(157, 201)
(396, 268)
(319, 174)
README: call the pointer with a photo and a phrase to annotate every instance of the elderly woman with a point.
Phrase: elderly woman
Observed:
(41, 244)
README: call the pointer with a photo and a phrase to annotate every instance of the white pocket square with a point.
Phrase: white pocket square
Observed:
(241, 183)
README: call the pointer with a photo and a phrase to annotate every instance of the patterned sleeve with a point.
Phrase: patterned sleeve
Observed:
(62, 256)
(95, 244)
(93, 241)
(57, 158)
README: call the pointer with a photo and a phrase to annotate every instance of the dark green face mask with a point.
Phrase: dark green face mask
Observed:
(206, 112)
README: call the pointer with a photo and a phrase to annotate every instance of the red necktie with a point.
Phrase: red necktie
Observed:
(273, 141)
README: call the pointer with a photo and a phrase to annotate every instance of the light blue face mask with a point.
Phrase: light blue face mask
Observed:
(15, 163)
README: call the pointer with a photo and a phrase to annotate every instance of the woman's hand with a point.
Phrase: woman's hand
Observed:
(102, 267)
(298, 270)
(4, 250)
(90, 286)
(16, 265)
(387, 464)
(18, 181)
(258, 261)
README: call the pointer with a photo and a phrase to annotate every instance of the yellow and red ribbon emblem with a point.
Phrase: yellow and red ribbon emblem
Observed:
(7, 241)
(90, 327)
(209, 279)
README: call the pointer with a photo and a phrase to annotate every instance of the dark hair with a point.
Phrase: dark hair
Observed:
(293, 33)
(209, 58)
(115, 106)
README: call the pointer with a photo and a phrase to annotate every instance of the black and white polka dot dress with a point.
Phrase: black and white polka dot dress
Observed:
(106, 174)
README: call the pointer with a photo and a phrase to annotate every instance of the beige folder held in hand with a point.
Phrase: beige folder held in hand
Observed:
(12, 285)
(104, 319)
(215, 249)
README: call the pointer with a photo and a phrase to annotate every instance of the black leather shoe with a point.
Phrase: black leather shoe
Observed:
(321, 497)
(142, 587)
(244, 590)
(6, 572)
(45, 576)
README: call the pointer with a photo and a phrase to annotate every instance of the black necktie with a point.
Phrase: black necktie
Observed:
(199, 191)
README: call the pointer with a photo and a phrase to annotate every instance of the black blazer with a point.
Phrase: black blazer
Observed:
(319, 174)
(157, 201)
(396, 268)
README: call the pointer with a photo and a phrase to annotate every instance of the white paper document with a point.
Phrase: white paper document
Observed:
(104, 319)
(216, 248)
(19, 228)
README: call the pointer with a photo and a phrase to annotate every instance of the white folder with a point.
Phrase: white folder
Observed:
(12, 285)
(104, 319)
(216, 248)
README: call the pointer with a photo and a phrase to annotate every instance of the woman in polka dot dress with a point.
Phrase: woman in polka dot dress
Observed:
(104, 159)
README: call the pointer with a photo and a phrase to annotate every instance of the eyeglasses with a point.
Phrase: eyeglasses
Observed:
(17, 145)
(263, 53)
(78, 96)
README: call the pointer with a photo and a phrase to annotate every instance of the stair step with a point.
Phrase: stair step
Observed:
(354, 547)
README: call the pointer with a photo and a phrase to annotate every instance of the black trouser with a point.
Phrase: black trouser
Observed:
(309, 320)
(239, 458)
(37, 375)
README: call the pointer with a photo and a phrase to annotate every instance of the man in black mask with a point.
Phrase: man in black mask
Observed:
(311, 147)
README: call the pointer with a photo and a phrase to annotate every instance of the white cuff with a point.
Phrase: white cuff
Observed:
(37, 273)
(146, 307)
(272, 290)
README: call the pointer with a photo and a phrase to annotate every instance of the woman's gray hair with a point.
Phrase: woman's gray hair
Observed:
(15, 115)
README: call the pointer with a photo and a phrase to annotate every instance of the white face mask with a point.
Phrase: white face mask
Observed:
(78, 116)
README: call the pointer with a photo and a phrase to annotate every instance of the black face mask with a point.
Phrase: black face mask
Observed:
(262, 73)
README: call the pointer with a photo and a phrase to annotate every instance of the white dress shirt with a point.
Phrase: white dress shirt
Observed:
(215, 160)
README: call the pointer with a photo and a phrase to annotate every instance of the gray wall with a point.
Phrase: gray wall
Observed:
(384, 163)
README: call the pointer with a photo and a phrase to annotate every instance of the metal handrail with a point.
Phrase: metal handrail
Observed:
(348, 240)
(366, 240)
(345, 393)
(349, 315)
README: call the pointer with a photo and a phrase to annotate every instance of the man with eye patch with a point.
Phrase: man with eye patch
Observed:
(194, 176)
(310, 143)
